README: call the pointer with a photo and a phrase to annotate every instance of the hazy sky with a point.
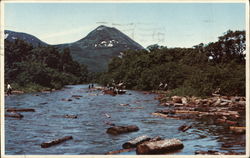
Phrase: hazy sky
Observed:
(168, 24)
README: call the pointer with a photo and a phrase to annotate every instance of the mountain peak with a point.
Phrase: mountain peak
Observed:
(101, 27)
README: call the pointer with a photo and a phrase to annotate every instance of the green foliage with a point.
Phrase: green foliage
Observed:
(37, 68)
(197, 71)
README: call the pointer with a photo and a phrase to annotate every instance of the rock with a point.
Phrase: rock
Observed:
(20, 110)
(15, 115)
(119, 151)
(133, 143)
(57, 141)
(159, 147)
(122, 129)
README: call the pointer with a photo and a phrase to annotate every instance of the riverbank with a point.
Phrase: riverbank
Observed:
(228, 112)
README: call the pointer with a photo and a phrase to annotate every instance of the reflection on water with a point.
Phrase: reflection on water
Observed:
(89, 129)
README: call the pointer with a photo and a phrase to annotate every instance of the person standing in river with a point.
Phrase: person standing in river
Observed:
(9, 89)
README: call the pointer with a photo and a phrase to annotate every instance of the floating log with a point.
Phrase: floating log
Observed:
(66, 99)
(76, 96)
(159, 147)
(209, 152)
(71, 116)
(119, 151)
(122, 129)
(133, 143)
(20, 110)
(57, 141)
(184, 128)
(124, 104)
(136, 108)
(15, 115)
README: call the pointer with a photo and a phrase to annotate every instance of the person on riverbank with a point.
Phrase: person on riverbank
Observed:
(9, 89)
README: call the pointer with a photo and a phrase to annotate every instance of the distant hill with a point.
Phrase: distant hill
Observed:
(95, 50)
(12, 35)
(99, 46)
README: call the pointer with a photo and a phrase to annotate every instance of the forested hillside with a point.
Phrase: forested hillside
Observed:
(36, 68)
(198, 71)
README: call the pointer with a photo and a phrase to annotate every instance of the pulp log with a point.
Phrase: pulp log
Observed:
(71, 116)
(159, 147)
(176, 99)
(20, 110)
(186, 111)
(119, 151)
(238, 130)
(122, 129)
(160, 114)
(184, 128)
(184, 100)
(76, 96)
(54, 142)
(133, 143)
(17, 92)
(209, 152)
(16, 115)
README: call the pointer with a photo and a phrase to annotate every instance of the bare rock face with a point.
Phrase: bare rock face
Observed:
(159, 147)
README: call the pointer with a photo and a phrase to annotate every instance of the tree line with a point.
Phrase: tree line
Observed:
(31, 68)
(197, 71)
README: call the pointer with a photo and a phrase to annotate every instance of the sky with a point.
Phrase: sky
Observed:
(167, 24)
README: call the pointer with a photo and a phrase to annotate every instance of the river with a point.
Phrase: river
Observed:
(24, 136)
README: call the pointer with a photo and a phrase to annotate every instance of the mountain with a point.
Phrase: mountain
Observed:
(95, 50)
(12, 36)
(99, 46)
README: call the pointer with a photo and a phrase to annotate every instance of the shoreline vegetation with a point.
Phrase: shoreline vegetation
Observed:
(198, 71)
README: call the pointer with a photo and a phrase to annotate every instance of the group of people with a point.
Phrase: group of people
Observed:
(163, 86)
(116, 87)
(91, 86)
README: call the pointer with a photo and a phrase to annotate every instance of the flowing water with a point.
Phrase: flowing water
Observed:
(24, 136)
